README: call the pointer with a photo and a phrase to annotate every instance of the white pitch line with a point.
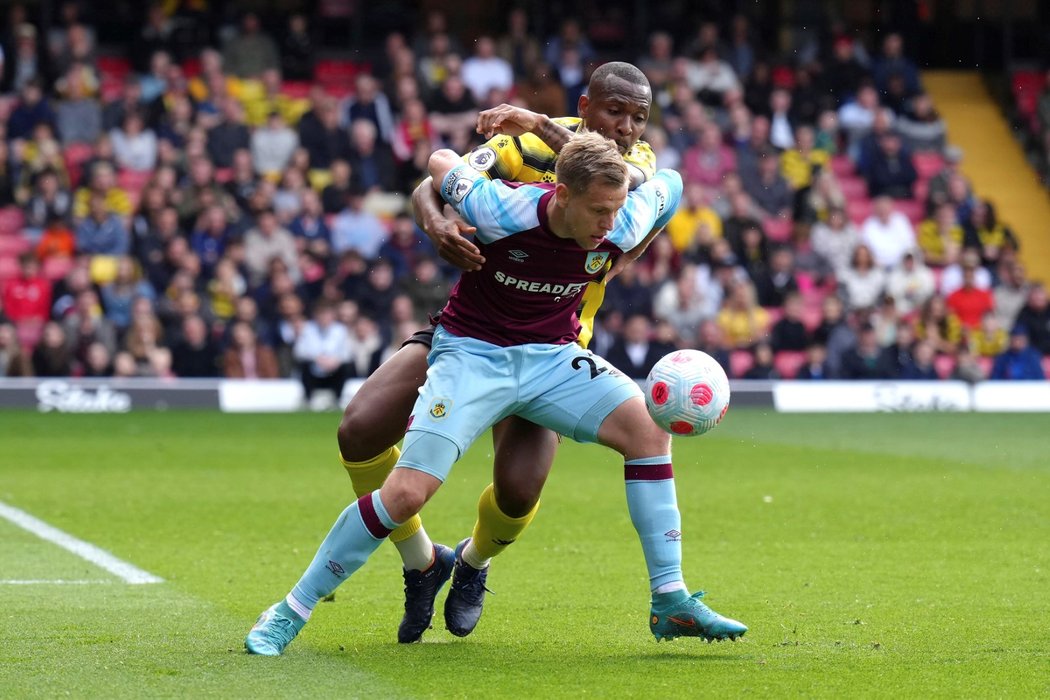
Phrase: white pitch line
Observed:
(51, 581)
(85, 550)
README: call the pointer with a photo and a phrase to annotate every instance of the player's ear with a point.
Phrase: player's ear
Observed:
(581, 107)
(561, 194)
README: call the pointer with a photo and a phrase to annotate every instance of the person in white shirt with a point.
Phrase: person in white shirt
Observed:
(323, 351)
(888, 233)
(272, 145)
(134, 146)
(485, 71)
(911, 283)
(834, 240)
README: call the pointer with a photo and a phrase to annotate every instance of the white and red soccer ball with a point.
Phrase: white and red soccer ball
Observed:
(687, 393)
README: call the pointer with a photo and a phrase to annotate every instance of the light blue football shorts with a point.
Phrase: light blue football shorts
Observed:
(471, 385)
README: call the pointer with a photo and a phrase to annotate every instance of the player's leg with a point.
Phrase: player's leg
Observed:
(653, 505)
(524, 453)
(358, 532)
(373, 423)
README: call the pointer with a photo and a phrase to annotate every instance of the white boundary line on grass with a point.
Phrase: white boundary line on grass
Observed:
(51, 581)
(85, 550)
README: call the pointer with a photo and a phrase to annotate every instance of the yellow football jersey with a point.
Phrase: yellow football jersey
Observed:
(527, 158)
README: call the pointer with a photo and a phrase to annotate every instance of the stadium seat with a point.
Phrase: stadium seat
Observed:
(858, 210)
(133, 180)
(853, 187)
(1026, 86)
(29, 333)
(75, 155)
(914, 209)
(295, 88)
(944, 365)
(927, 164)
(777, 230)
(812, 316)
(11, 221)
(788, 362)
(921, 190)
(842, 166)
(14, 245)
(113, 67)
(1046, 366)
(57, 268)
(8, 267)
(740, 361)
(191, 67)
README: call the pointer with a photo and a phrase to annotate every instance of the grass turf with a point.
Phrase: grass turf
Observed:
(871, 555)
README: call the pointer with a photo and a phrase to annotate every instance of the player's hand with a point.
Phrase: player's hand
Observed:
(507, 119)
(449, 236)
(620, 265)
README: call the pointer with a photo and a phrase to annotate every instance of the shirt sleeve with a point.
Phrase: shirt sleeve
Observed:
(499, 158)
(642, 158)
(649, 206)
(494, 208)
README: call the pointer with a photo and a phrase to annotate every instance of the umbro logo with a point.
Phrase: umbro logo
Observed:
(518, 255)
(673, 536)
(335, 568)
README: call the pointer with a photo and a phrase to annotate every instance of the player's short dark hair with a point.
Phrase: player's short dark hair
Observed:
(616, 69)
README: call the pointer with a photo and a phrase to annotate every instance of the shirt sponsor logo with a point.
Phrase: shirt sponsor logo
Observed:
(539, 287)
(481, 159)
(595, 262)
(661, 199)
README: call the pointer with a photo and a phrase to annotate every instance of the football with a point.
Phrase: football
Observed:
(687, 393)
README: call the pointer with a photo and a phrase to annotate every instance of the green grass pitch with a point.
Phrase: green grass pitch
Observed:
(871, 555)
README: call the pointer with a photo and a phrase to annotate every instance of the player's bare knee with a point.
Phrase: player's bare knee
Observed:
(353, 436)
(518, 500)
(406, 491)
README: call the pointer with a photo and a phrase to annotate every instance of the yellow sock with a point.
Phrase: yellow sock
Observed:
(369, 475)
(494, 530)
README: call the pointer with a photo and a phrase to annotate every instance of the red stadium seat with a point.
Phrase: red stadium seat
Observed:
(133, 180)
(777, 230)
(914, 209)
(11, 221)
(191, 67)
(858, 210)
(853, 187)
(740, 361)
(75, 155)
(295, 88)
(842, 166)
(921, 190)
(57, 268)
(8, 267)
(927, 164)
(114, 67)
(14, 245)
(944, 365)
(812, 316)
(788, 362)
(29, 333)
(1027, 84)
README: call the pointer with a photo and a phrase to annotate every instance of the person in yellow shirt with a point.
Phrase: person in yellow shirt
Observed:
(695, 224)
(742, 320)
(941, 237)
(798, 164)
(104, 182)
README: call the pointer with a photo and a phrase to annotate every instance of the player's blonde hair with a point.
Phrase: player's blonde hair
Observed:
(590, 157)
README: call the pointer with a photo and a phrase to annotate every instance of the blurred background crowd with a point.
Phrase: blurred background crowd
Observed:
(223, 195)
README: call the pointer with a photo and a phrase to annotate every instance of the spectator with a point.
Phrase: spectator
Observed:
(323, 352)
(425, 287)
(102, 233)
(336, 193)
(268, 241)
(888, 233)
(1020, 361)
(834, 333)
(941, 238)
(711, 77)
(85, 325)
(297, 50)
(743, 322)
(252, 51)
(816, 364)
(49, 201)
(798, 165)
(834, 240)
(952, 276)
(893, 62)
(272, 146)
(921, 366)
(910, 283)
(518, 47)
(134, 146)
(228, 135)
(967, 368)
(768, 188)
(695, 224)
(856, 118)
(921, 127)
(322, 136)
(309, 227)
(13, 361)
(1011, 293)
(862, 282)
(366, 347)
(843, 72)
(984, 230)
(371, 162)
(359, 230)
(762, 367)
(773, 282)
(636, 352)
(194, 354)
(1034, 317)
(28, 64)
(27, 298)
(940, 184)
(891, 171)
(246, 358)
(867, 360)
(370, 104)
(485, 71)
(679, 302)
(51, 357)
(990, 339)
(781, 128)
(939, 325)
(708, 162)
(404, 246)
(102, 183)
(119, 295)
(569, 38)
(78, 115)
(57, 240)
(790, 333)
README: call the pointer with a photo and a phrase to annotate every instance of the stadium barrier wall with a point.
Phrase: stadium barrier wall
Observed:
(73, 395)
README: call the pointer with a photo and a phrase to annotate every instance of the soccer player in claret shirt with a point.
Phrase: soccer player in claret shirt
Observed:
(506, 345)
(523, 146)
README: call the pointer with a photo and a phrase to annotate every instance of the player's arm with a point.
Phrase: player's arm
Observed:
(631, 255)
(447, 233)
(515, 121)
(647, 211)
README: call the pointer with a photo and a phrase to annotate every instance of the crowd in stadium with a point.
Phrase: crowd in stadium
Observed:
(242, 210)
